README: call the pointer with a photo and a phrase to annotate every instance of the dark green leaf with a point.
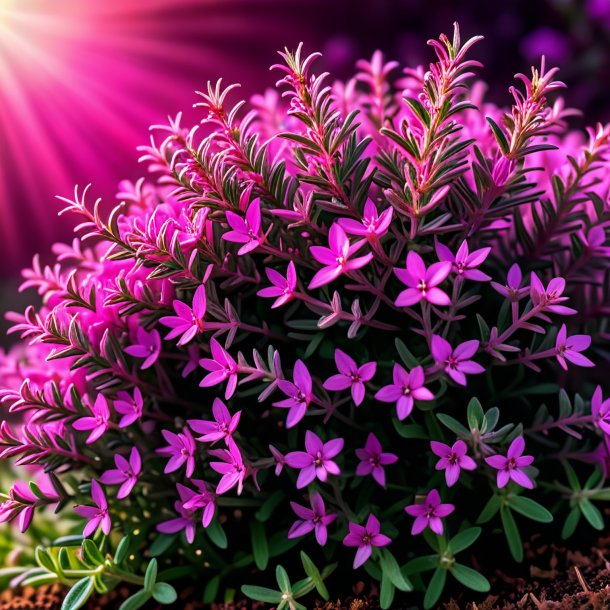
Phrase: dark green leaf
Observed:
(262, 594)
(591, 514)
(435, 588)
(470, 578)
(122, 550)
(150, 578)
(78, 595)
(530, 509)
(91, 554)
(464, 539)
(391, 569)
(260, 548)
(136, 601)
(164, 593)
(571, 522)
(386, 592)
(312, 571)
(217, 534)
(512, 534)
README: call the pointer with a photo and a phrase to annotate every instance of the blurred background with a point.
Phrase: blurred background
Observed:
(81, 80)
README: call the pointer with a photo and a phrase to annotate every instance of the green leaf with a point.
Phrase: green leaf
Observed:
(164, 593)
(435, 588)
(530, 509)
(44, 559)
(386, 592)
(591, 514)
(453, 425)
(421, 564)
(405, 355)
(136, 601)
(571, 522)
(211, 590)
(312, 571)
(490, 509)
(91, 554)
(150, 578)
(260, 548)
(269, 505)
(122, 550)
(512, 534)
(464, 539)
(78, 595)
(475, 414)
(470, 578)
(390, 567)
(282, 579)
(499, 135)
(161, 544)
(262, 594)
(217, 534)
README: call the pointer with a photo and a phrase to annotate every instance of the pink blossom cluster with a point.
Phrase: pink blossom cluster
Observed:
(299, 305)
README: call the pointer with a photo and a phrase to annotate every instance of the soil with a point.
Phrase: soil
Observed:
(559, 579)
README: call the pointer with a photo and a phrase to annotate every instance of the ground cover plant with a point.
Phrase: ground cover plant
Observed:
(346, 326)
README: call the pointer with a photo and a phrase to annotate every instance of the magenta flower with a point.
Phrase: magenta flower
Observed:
(279, 458)
(351, 376)
(311, 519)
(245, 231)
(283, 287)
(569, 348)
(129, 407)
(511, 466)
(223, 426)
(186, 521)
(316, 461)
(422, 283)
(125, 475)
(406, 388)
(463, 263)
(181, 450)
(221, 367)
(456, 362)
(372, 226)
(372, 460)
(193, 360)
(232, 467)
(97, 515)
(336, 258)
(512, 290)
(202, 499)
(189, 321)
(99, 423)
(453, 460)
(148, 346)
(299, 394)
(365, 537)
(549, 298)
(22, 502)
(429, 514)
(600, 409)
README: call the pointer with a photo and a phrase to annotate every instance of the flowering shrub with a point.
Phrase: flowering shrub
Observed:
(341, 329)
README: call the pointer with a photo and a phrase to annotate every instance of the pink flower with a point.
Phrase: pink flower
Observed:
(22, 502)
(232, 467)
(299, 394)
(406, 388)
(350, 376)
(130, 408)
(429, 514)
(181, 450)
(98, 514)
(372, 226)
(125, 475)
(280, 460)
(422, 283)
(336, 259)
(456, 362)
(453, 459)
(315, 461)
(511, 466)
(283, 287)
(147, 347)
(548, 298)
(365, 537)
(569, 348)
(221, 367)
(372, 460)
(189, 321)
(465, 264)
(600, 409)
(99, 423)
(512, 290)
(186, 521)
(202, 499)
(245, 231)
(311, 519)
(223, 426)
(193, 360)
